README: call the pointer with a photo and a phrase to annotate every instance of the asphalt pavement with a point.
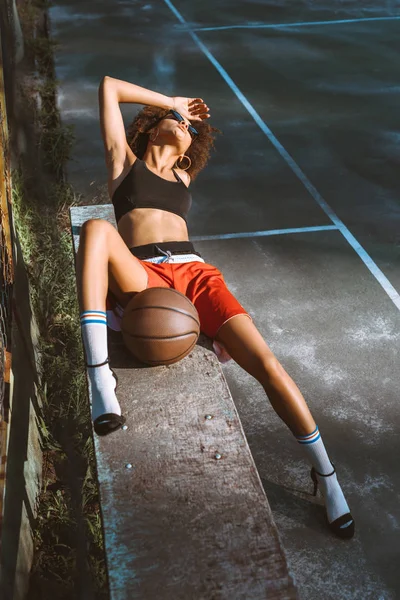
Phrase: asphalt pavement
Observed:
(299, 207)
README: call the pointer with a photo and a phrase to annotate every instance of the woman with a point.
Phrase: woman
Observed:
(148, 181)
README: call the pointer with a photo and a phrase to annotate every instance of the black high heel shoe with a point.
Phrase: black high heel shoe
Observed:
(335, 526)
(109, 422)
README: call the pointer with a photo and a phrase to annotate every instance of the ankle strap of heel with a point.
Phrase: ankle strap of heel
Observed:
(328, 474)
(100, 364)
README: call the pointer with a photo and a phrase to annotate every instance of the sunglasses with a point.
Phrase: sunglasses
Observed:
(178, 117)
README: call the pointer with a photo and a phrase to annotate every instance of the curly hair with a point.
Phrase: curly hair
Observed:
(199, 151)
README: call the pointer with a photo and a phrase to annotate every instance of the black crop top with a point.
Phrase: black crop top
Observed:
(141, 188)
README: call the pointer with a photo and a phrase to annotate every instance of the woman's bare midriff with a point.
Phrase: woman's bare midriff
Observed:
(150, 225)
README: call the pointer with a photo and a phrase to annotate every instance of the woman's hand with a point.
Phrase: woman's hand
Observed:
(193, 109)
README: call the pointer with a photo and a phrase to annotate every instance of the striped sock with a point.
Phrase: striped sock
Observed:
(101, 380)
(316, 454)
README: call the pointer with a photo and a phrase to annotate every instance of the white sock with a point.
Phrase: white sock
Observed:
(335, 501)
(102, 381)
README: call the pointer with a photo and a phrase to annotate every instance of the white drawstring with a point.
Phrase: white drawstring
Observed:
(167, 254)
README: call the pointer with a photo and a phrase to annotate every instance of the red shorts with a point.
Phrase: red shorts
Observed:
(205, 287)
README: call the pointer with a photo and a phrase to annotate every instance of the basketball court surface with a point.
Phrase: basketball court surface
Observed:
(300, 209)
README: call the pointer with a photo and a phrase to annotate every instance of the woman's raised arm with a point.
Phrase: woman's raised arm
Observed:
(111, 93)
(130, 92)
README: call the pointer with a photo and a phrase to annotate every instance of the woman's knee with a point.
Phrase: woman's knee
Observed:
(96, 231)
(94, 237)
(271, 370)
(96, 225)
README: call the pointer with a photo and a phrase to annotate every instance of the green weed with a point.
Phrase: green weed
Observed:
(41, 202)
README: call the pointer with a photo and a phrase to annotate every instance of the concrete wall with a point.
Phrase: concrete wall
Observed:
(22, 455)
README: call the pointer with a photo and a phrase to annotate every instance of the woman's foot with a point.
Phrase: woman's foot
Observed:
(106, 411)
(108, 423)
(338, 514)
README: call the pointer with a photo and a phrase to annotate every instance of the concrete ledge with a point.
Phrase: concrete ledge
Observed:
(180, 519)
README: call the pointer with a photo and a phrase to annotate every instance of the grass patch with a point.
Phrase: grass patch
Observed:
(69, 553)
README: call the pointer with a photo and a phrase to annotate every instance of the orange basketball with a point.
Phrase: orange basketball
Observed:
(160, 326)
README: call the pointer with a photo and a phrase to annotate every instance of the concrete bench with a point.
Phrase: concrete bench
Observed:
(184, 512)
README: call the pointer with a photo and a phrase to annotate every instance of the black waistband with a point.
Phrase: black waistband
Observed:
(150, 250)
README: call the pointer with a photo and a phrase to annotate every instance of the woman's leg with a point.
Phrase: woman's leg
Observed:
(103, 262)
(247, 347)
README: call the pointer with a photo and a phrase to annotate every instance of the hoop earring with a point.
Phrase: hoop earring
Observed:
(154, 137)
(184, 168)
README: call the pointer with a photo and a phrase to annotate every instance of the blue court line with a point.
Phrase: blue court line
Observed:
(367, 260)
(301, 24)
(247, 234)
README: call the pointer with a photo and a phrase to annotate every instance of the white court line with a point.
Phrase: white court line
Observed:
(367, 260)
(247, 234)
(300, 24)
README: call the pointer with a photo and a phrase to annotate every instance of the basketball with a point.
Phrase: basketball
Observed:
(160, 326)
